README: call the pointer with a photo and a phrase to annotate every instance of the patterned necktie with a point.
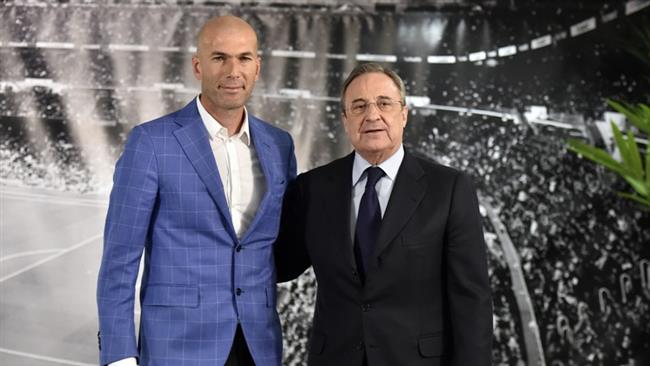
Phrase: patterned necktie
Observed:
(368, 222)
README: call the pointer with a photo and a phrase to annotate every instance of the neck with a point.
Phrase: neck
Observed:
(230, 119)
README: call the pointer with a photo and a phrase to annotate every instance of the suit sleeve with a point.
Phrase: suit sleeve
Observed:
(291, 257)
(468, 286)
(132, 201)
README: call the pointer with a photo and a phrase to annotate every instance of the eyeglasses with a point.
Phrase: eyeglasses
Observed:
(385, 105)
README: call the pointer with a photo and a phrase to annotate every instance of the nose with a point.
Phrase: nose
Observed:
(231, 67)
(372, 111)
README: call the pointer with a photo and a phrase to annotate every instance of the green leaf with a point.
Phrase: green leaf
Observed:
(647, 165)
(638, 186)
(641, 200)
(623, 148)
(636, 165)
(597, 155)
(638, 116)
(644, 113)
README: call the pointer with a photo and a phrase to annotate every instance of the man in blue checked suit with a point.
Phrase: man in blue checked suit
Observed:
(199, 192)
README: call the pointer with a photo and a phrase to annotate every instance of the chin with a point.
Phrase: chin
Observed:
(374, 150)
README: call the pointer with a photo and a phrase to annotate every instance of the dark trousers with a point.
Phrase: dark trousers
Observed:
(239, 353)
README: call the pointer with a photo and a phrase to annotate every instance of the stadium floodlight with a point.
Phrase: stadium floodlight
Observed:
(169, 86)
(55, 45)
(128, 47)
(376, 58)
(415, 59)
(169, 49)
(38, 81)
(477, 56)
(507, 51)
(18, 44)
(635, 5)
(417, 101)
(523, 47)
(336, 56)
(441, 59)
(583, 27)
(540, 42)
(293, 54)
(560, 36)
(606, 18)
(295, 93)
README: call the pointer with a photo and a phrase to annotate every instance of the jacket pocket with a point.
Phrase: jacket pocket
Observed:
(431, 345)
(170, 295)
(316, 343)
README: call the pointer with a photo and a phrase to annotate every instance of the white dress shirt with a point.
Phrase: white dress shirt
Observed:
(239, 167)
(125, 362)
(384, 186)
(241, 175)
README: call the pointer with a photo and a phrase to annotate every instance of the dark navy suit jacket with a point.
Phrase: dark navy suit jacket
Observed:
(426, 297)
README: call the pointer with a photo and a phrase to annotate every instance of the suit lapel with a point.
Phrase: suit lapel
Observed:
(407, 193)
(194, 140)
(263, 147)
(337, 205)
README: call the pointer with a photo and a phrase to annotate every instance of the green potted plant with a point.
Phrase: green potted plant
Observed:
(632, 166)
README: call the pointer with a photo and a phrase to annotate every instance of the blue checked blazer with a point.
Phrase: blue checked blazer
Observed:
(198, 279)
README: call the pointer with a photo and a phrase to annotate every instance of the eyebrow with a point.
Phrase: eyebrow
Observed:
(220, 53)
(365, 100)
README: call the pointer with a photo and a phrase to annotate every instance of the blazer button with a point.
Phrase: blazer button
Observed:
(238, 291)
(365, 307)
(238, 248)
(359, 346)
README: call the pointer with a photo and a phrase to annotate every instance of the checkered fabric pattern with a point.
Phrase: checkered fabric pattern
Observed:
(199, 280)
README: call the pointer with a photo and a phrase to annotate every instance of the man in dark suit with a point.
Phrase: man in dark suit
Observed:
(199, 193)
(396, 244)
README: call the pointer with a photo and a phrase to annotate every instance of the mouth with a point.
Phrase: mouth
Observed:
(372, 131)
(231, 88)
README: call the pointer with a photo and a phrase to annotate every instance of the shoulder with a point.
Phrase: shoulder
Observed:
(331, 170)
(278, 135)
(160, 126)
(435, 169)
(437, 173)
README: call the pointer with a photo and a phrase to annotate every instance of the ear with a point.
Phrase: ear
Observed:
(405, 114)
(258, 61)
(196, 67)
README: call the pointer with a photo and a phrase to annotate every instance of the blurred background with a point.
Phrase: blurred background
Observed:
(495, 88)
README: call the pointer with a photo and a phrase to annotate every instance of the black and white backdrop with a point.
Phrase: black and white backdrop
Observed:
(495, 88)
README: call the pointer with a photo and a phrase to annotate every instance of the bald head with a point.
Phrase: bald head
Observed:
(227, 64)
(224, 26)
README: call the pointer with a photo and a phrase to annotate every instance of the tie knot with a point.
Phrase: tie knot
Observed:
(374, 174)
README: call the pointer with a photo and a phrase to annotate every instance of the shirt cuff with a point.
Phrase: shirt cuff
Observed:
(125, 362)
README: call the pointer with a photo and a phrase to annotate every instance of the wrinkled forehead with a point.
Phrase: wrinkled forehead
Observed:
(372, 86)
